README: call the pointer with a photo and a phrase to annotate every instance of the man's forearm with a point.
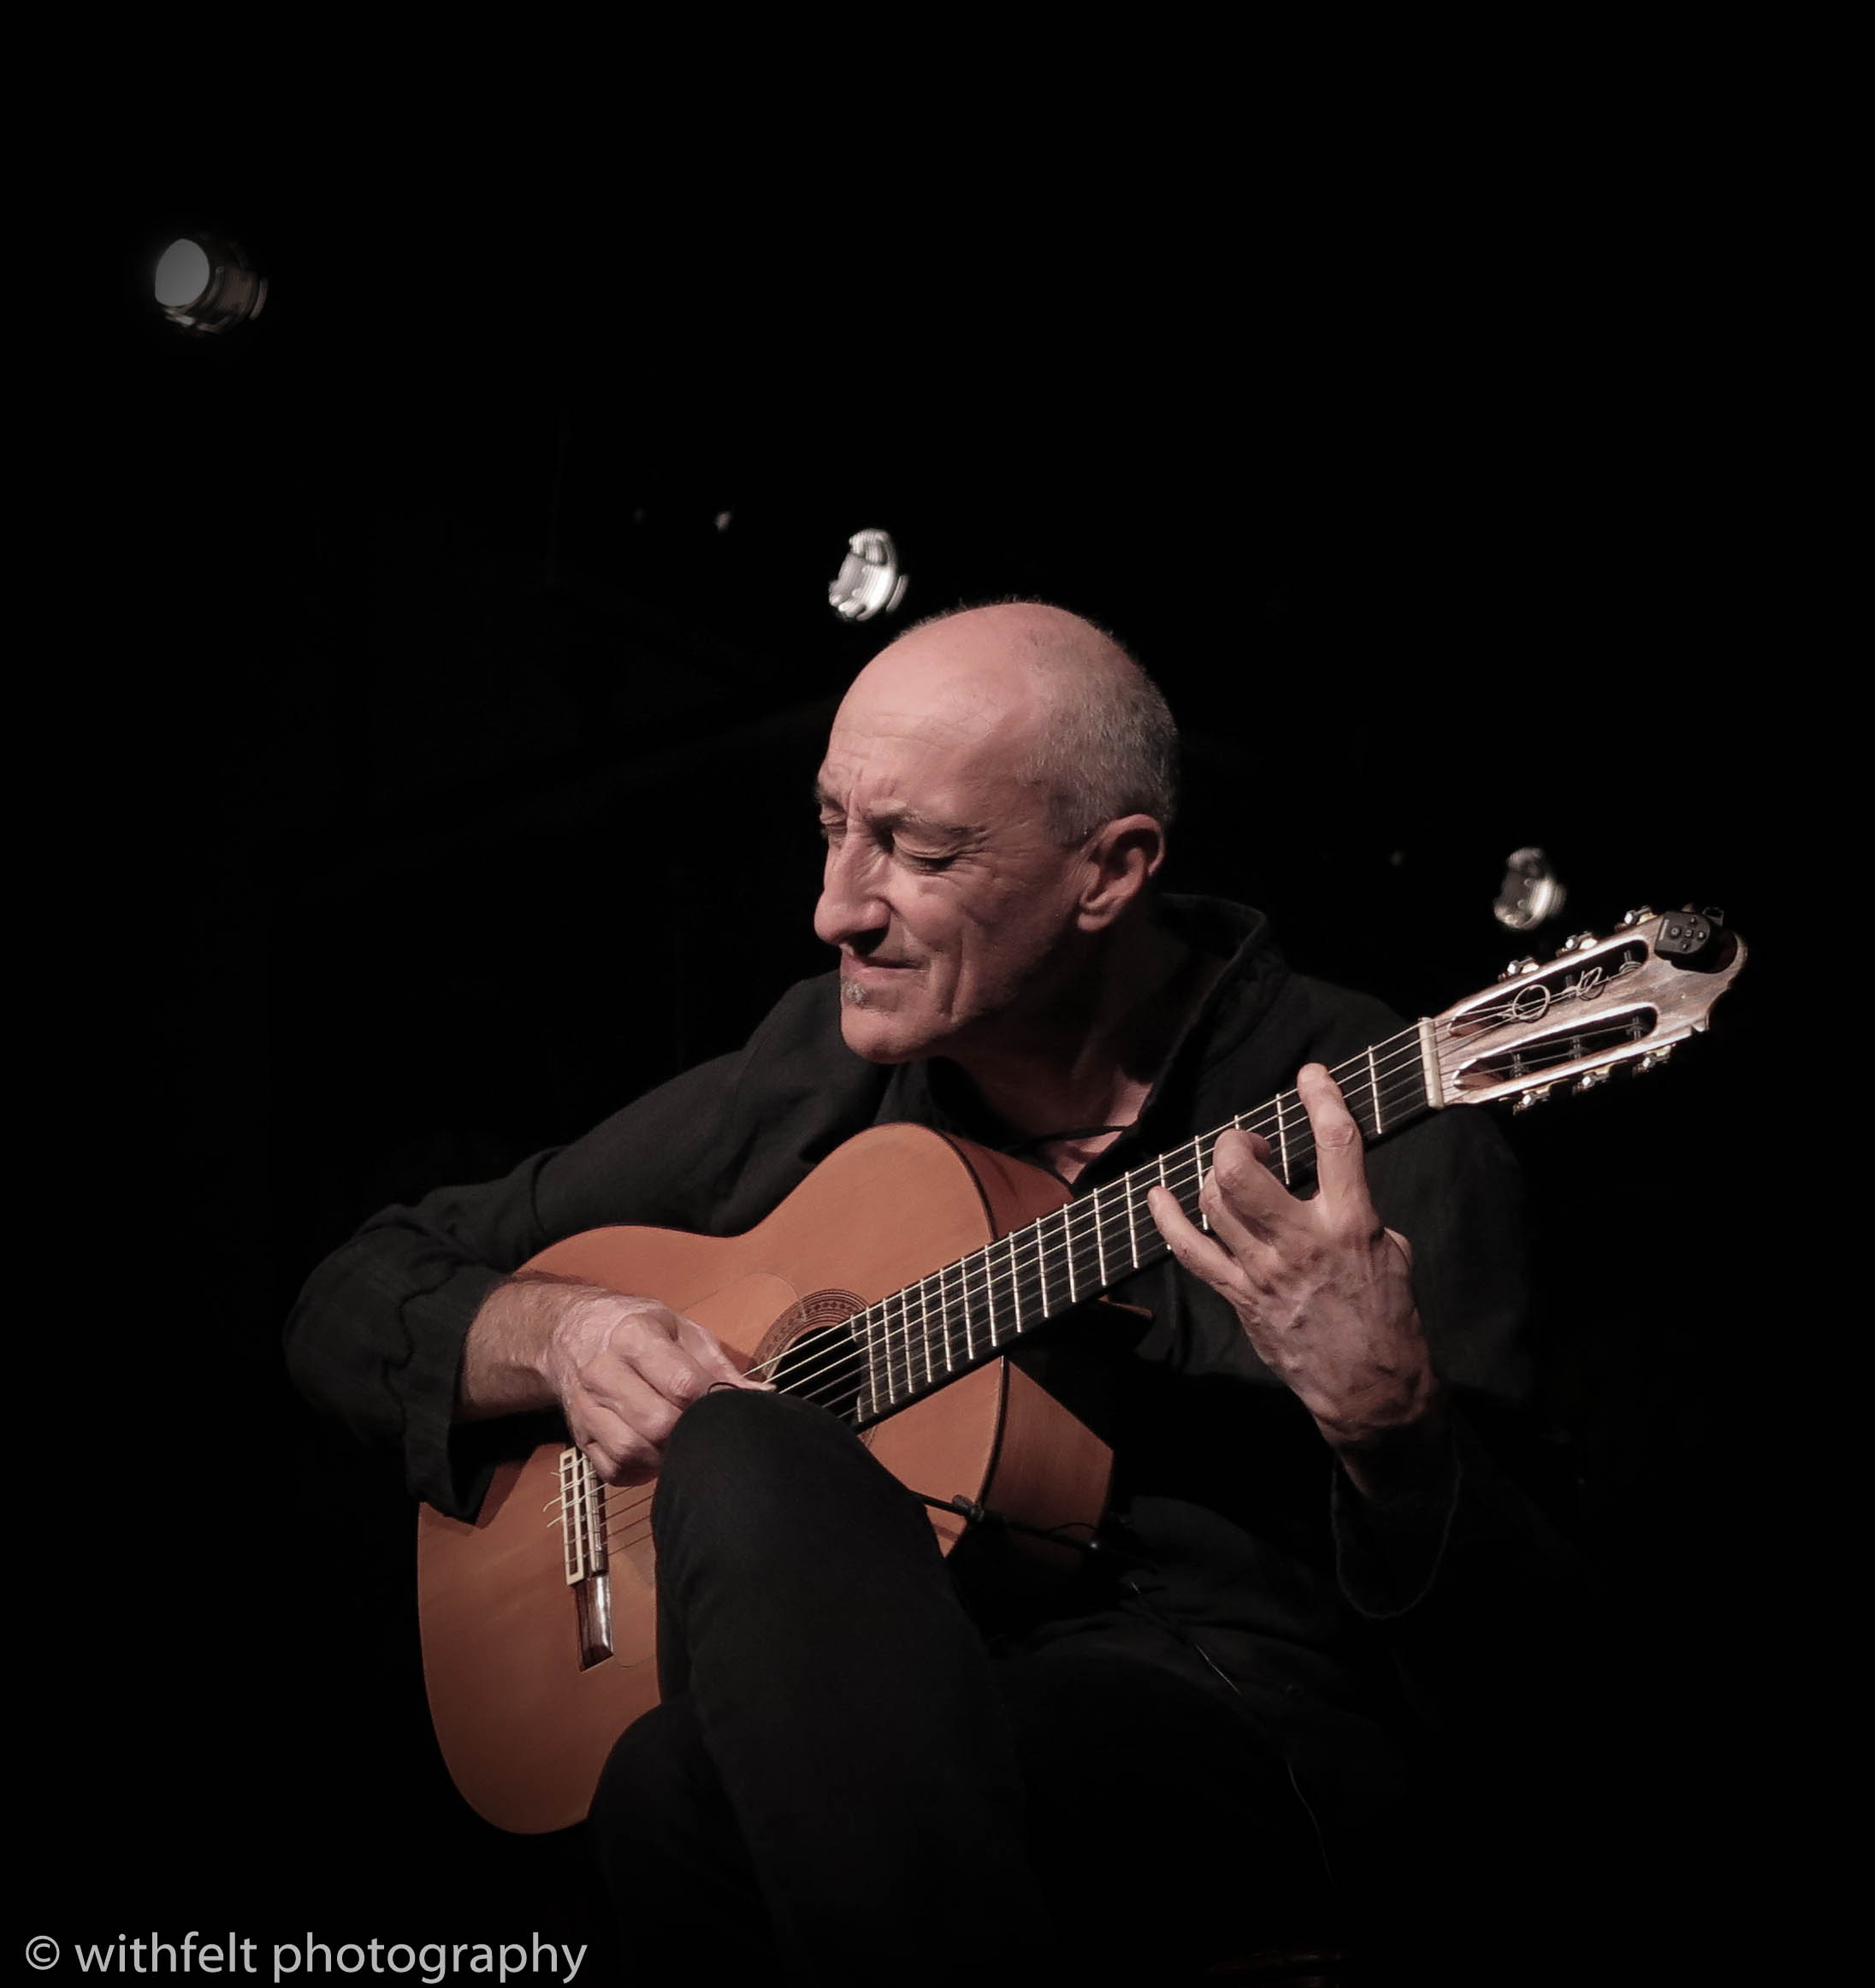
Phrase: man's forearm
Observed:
(503, 1369)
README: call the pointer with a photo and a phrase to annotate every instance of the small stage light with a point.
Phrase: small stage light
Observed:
(1529, 893)
(869, 582)
(205, 284)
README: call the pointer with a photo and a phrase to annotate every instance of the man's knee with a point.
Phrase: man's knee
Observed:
(736, 1433)
(659, 1796)
(743, 1472)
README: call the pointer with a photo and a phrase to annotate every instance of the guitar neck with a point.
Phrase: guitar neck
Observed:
(920, 1338)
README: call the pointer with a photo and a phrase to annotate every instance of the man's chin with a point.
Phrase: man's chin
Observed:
(881, 1038)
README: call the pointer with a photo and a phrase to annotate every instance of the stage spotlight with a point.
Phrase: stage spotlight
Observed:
(869, 582)
(205, 284)
(1530, 892)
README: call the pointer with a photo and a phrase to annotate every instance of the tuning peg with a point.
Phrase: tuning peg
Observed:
(1654, 1059)
(1576, 941)
(1539, 1095)
(1634, 917)
(1527, 964)
(1589, 1078)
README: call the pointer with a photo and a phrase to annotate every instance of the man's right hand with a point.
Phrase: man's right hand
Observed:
(622, 1369)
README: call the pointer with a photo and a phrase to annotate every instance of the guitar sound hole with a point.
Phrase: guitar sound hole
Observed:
(824, 1365)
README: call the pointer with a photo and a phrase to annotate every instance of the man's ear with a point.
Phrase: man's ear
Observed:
(1121, 859)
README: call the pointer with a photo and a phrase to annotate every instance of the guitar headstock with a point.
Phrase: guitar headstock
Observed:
(1627, 998)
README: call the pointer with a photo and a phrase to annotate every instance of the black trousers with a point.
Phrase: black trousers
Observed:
(842, 1784)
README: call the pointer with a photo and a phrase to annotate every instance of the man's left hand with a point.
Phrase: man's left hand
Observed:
(1323, 1290)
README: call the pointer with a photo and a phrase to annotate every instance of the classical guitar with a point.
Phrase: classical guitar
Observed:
(884, 1287)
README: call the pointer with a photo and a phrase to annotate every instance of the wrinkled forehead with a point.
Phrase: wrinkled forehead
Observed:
(937, 722)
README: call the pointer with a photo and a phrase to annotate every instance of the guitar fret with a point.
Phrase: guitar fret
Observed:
(876, 1334)
(926, 1336)
(1067, 1251)
(1374, 1085)
(1197, 1156)
(881, 1343)
(867, 1402)
(1100, 1244)
(1282, 1141)
(1017, 1272)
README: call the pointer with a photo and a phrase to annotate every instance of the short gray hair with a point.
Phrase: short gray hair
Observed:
(1110, 746)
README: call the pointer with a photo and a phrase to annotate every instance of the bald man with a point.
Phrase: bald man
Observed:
(862, 1748)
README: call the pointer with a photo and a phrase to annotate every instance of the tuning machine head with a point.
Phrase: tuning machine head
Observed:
(1529, 964)
(1590, 1079)
(1636, 916)
(1654, 1059)
(1687, 936)
(1530, 1100)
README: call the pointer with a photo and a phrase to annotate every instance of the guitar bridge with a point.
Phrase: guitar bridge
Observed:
(583, 1545)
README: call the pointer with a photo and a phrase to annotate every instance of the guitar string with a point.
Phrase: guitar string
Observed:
(1077, 1248)
(1179, 1178)
(841, 1359)
(1403, 1054)
(897, 1359)
(847, 1360)
(1083, 1231)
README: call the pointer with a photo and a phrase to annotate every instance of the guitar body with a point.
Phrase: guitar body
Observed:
(531, 1677)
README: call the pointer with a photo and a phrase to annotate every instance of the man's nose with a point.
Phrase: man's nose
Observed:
(850, 900)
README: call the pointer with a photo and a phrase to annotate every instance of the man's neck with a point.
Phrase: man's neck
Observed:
(1091, 1060)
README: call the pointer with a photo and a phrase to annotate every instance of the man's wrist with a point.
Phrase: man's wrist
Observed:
(1414, 1459)
(505, 1368)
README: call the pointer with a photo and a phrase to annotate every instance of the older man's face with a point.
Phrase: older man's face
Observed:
(948, 902)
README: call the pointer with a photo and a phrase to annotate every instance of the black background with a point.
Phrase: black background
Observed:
(427, 777)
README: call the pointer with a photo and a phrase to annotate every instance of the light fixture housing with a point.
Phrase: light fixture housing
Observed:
(204, 284)
(869, 581)
(1530, 893)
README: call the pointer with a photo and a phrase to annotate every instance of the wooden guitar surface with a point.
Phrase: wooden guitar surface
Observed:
(524, 1710)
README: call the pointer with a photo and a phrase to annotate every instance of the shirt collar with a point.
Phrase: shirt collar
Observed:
(935, 1092)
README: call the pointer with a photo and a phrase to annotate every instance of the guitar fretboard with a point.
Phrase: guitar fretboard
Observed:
(920, 1338)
